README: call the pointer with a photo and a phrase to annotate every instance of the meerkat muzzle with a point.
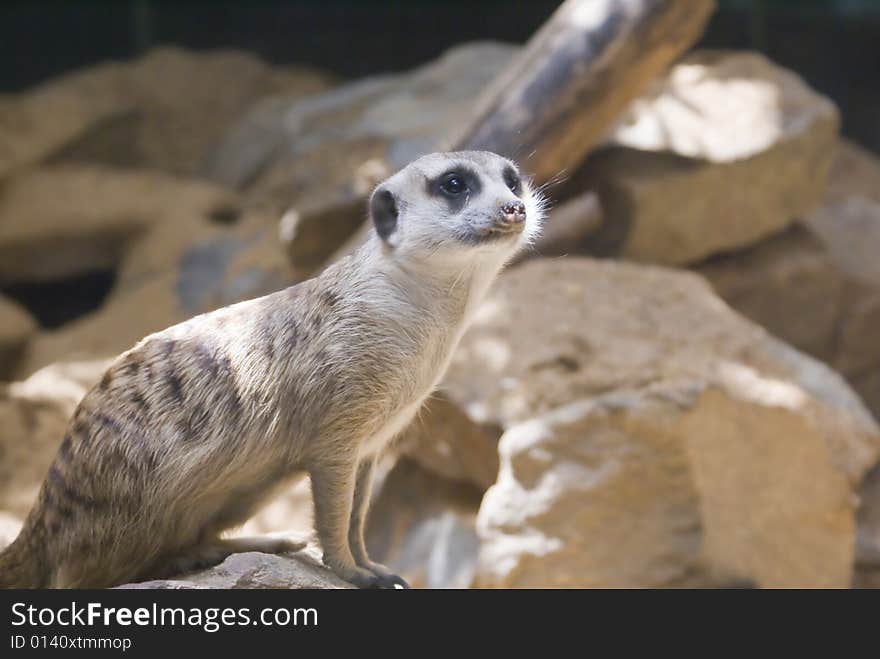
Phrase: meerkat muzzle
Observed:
(511, 217)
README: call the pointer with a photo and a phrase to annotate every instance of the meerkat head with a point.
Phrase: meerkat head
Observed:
(456, 206)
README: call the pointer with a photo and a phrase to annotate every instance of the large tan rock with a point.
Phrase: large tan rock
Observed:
(692, 173)
(16, 327)
(817, 285)
(187, 100)
(182, 267)
(653, 437)
(63, 220)
(787, 284)
(165, 110)
(445, 441)
(721, 107)
(39, 123)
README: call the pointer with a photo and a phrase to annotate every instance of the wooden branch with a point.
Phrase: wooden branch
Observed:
(563, 92)
(560, 96)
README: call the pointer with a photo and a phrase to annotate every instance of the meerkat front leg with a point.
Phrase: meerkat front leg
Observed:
(333, 486)
(360, 506)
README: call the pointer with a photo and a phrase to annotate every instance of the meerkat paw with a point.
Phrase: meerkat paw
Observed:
(387, 576)
(364, 578)
(391, 580)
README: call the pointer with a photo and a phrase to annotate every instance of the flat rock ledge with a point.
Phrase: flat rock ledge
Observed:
(302, 570)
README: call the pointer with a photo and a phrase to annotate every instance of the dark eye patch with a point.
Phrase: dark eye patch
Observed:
(456, 185)
(453, 184)
(512, 180)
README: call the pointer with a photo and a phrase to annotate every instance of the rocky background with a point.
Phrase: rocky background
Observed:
(677, 387)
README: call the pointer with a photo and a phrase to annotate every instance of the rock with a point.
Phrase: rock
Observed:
(855, 173)
(568, 227)
(33, 418)
(69, 219)
(868, 387)
(39, 123)
(788, 284)
(312, 234)
(817, 286)
(868, 538)
(850, 235)
(10, 525)
(183, 267)
(721, 107)
(323, 154)
(213, 264)
(255, 570)
(254, 144)
(188, 100)
(404, 115)
(692, 174)
(421, 525)
(16, 327)
(165, 110)
(850, 232)
(654, 438)
(594, 494)
(443, 440)
(175, 247)
(290, 512)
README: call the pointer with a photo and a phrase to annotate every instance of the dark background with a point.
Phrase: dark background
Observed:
(833, 44)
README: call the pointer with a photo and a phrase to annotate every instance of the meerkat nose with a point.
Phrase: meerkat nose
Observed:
(513, 212)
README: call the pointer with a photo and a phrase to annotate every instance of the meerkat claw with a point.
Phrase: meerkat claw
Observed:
(389, 579)
(400, 581)
(389, 582)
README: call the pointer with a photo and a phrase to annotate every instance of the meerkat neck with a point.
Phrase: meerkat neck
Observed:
(454, 290)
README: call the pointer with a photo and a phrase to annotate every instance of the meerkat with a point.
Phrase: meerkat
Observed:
(193, 429)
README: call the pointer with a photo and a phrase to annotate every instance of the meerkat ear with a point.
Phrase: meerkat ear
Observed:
(383, 210)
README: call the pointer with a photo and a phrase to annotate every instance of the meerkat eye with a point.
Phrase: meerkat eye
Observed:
(512, 180)
(453, 184)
